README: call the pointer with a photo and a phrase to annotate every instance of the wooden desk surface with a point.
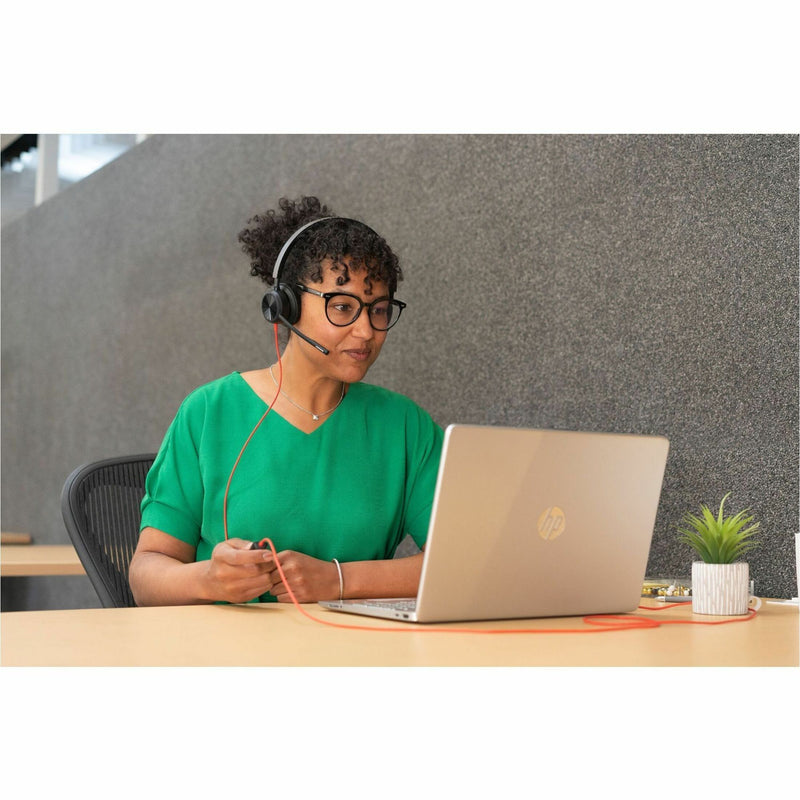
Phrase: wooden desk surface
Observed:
(279, 635)
(39, 559)
(8, 537)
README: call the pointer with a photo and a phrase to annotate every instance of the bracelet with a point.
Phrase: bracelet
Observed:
(341, 579)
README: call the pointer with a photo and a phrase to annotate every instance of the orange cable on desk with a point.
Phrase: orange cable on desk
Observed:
(600, 621)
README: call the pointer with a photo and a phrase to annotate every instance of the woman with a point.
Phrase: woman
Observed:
(335, 474)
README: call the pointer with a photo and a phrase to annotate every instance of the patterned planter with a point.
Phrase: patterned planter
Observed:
(720, 588)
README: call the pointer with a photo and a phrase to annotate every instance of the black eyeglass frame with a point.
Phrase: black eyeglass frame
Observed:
(399, 304)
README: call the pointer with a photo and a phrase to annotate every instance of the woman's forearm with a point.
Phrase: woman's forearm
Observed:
(160, 580)
(397, 577)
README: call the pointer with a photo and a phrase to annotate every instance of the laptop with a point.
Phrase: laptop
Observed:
(534, 523)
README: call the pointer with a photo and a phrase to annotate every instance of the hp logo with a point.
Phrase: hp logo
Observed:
(551, 523)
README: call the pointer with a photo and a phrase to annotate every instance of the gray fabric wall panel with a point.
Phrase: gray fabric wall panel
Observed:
(643, 284)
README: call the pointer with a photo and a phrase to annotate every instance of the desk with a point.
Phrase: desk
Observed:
(39, 559)
(279, 635)
(15, 538)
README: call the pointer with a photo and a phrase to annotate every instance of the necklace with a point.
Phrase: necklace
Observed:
(314, 416)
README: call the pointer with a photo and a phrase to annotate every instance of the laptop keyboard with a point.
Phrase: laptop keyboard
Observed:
(398, 605)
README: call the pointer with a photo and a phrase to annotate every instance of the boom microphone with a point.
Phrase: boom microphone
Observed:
(323, 350)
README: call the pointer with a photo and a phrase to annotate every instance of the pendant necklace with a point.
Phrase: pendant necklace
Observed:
(314, 416)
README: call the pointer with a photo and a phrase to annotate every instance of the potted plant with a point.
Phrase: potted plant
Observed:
(720, 581)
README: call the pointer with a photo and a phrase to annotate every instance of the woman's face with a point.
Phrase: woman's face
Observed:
(353, 348)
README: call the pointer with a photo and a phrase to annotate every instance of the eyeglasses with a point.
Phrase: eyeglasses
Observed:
(343, 309)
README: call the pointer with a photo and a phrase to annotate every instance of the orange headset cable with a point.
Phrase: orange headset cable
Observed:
(601, 623)
(252, 433)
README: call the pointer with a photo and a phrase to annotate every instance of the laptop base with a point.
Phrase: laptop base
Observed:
(402, 608)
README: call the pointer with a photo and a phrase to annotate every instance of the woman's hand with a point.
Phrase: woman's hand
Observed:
(310, 579)
(163, 572)
(237, 574)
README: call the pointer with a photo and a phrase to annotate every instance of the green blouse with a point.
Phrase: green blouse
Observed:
(350, 490)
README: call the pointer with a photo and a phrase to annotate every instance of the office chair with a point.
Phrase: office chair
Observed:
(100, 505)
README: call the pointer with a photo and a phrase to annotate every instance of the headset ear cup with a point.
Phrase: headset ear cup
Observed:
(281, 302)
(290, 303)
(272, 306)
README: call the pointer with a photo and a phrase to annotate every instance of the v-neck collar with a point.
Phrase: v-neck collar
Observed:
(283, 419)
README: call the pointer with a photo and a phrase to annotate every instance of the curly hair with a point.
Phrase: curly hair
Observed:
(336, 239)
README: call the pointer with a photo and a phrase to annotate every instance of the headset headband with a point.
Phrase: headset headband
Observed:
(293, 238)
(289, 242)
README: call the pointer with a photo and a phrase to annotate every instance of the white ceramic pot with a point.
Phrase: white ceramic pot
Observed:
(720, 588)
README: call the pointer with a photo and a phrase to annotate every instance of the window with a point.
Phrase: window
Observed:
(77, 156)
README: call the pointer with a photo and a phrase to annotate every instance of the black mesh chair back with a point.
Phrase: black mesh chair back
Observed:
(100, 505)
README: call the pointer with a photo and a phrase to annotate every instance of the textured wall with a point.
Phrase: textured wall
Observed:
(641, 284)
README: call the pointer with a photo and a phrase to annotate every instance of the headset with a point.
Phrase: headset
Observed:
(282, 302)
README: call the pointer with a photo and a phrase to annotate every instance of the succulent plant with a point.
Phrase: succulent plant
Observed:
(721, 539)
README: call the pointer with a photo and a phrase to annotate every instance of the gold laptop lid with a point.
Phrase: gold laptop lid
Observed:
(533, 523)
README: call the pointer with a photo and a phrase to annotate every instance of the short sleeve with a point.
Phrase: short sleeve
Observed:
(173, 500)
